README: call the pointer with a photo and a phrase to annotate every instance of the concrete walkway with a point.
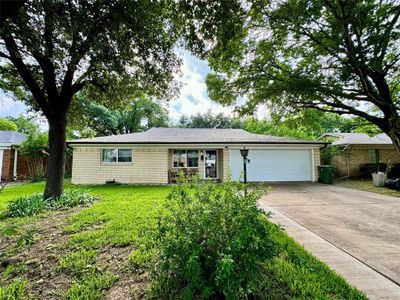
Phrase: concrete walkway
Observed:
(298, 208)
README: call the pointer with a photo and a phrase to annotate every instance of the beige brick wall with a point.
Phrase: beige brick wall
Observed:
(389, 155)
(148, 166)
(225, 163)
(349, 161)
(220, 164)
(317, 162)
(202, 164)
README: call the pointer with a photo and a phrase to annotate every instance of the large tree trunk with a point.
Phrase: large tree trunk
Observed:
(56, 163)
(394, 134)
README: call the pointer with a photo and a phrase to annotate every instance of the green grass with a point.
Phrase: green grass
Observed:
(15, 291)
(304, 275)
(92, 256)
(367, 185)
(11, 192)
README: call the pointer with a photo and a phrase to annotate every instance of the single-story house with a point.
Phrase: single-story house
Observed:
(353, 150)
(154, 156)
(12, 164)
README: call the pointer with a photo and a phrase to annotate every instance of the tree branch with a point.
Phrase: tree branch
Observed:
(2, 54)
(25, 73)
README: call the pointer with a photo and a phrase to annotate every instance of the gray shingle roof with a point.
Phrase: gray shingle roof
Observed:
(11, 137)
(359, 139)
(192, 136)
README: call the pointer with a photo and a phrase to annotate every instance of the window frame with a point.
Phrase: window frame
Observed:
(376, 154)
(117, 161)
(186, 150)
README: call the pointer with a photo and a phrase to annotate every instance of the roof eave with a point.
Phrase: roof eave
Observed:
(197, 143)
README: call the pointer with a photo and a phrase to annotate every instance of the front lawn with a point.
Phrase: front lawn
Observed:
(87, 252)
(367, 185)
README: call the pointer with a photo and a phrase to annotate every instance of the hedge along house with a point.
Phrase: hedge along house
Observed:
(12, 164)
(156, 155)
(354, 150)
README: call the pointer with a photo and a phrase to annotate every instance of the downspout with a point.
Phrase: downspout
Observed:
(15, 164)
(348, 161)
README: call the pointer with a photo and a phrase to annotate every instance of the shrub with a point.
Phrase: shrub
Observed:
(367, 169)
(34, 149)
(213, 242)
(33, 204)
(26, 206)
(71, 198)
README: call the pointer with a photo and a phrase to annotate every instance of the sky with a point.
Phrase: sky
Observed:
(193, 96)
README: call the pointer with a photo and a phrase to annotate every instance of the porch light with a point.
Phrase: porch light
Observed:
(245, 152)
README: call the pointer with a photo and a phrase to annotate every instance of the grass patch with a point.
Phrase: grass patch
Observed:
(367, 185)
(91, 286)
(15, 291)
(11, 192)
(90, 282)
(104, 245)
(304, 275)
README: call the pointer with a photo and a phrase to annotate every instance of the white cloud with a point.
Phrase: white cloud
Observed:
(10, 107)
(193, 96)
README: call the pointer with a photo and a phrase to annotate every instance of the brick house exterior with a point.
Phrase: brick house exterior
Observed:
(353, 150)
(7, 172)
(12, 164)
(152, 154)
(349, 160)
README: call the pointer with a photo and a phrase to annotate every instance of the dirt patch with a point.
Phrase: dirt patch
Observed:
(130, 283)
(129, 286)
(38, 262)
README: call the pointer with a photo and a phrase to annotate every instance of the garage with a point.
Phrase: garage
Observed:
(274, 165)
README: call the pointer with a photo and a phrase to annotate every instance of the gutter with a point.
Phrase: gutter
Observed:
(325, 144)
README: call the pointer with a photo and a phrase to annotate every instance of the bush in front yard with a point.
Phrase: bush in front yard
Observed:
(213, 242)
(33, 204)
(26, 206)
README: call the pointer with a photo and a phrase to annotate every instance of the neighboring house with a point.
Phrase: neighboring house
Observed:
(154, 156)
(12, 164)
(357, 149)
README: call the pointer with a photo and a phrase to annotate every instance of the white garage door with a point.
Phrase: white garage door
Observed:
(273, 165)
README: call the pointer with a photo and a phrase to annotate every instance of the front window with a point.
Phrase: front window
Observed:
(373, 156)
(117, 155)
(186, 159)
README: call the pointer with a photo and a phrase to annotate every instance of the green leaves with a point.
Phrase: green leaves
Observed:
(212, 241)
(7, 125)
(136, 114)
(30, 205)
(209, 120)
(336, 56)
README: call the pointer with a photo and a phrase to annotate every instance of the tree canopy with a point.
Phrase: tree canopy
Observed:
(334, 56)
(304, 124)
(139, 114)
(25, 124)
(209, 120)
(51, 50)
(7, 125)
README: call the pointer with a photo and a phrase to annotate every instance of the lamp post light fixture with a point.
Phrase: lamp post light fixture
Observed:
(245, 152)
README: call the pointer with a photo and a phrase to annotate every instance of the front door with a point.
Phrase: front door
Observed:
(211, 164)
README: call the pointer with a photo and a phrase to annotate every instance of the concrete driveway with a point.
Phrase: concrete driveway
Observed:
(364, 225)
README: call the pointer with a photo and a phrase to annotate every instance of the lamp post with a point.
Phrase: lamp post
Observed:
(245, 152)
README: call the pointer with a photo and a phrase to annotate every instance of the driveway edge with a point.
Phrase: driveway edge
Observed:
(357, 273)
